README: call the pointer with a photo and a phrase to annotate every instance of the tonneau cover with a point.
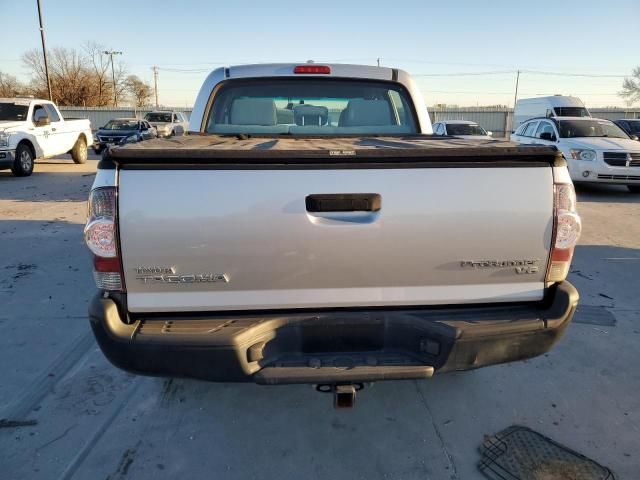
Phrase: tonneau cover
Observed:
(211, 148)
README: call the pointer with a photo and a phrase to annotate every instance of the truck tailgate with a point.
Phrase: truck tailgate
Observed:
(210, 239)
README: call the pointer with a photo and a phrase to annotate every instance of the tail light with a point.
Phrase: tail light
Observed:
(101, 236)
(312, 69)
(566, 232)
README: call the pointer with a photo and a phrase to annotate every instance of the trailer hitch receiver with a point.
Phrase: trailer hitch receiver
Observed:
(344, 396)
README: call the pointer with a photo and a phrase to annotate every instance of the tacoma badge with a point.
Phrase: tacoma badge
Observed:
(157, 274)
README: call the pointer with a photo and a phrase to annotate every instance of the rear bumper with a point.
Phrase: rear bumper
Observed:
(331, 347)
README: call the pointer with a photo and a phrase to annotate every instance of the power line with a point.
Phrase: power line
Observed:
(534, 72)
(486, 65)
(464, 74)
(185, 70)
(482, 92)
(567, 74)
(170, 67)
(462, 64)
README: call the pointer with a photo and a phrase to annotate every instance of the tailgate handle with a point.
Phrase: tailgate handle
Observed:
(343, 202)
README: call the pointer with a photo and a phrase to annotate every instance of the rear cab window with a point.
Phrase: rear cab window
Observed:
(52, 112)
(571, 112)
(286, 106)
(465, 129)
(158, 117)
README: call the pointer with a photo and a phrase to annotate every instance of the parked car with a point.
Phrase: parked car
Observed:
(553, 106)
(630, 126)
(597, 151)
(168, 123)
(31, 129)
(338, 246)
(461, 129)
(123, 130)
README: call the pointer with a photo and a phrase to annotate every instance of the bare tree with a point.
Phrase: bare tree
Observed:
(121, 79)
(99, 65)
(631, 87)
(32, 59)
(10, 86)
(139, 90)
(77, 77)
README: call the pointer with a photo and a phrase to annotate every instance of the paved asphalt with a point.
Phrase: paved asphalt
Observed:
(78, 417)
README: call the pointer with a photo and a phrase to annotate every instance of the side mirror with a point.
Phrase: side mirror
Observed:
(635, 137)
(549, 136)
(490, 133)
(42, 121)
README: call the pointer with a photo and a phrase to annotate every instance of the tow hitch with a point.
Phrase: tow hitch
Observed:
(344, 396)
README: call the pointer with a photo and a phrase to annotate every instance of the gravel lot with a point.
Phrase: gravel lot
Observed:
(78, 417)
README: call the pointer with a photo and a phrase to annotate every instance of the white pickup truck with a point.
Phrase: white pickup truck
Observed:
(31, 129)
(310, 229)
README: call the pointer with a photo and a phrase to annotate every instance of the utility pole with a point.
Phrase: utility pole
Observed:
(44, 52)
(515, 97)
(155, 82)
(111, 53)
(378, 61)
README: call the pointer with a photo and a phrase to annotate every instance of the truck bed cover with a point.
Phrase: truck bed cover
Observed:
(393, 151)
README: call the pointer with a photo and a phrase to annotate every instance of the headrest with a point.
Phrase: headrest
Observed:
(253, 111)
(310, 115)
(361, 112)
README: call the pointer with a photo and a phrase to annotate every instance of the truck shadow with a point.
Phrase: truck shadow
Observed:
(605, 193)
(46, 186)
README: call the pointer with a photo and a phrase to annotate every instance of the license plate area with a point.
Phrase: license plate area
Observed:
(342, 338)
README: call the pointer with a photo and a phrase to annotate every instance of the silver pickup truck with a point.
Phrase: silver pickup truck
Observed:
(310, 229)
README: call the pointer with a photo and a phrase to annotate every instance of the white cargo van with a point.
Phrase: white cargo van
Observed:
(554, 106)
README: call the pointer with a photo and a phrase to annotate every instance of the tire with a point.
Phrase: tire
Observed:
(79, 150)
(23, 163)
(634, 188)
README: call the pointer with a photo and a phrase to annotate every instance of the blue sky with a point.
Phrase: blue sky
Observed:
(422, 37)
